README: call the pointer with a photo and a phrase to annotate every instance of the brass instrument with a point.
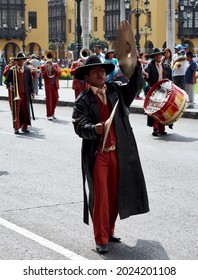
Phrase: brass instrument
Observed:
(178, 62)
(85, 53)
(14, 94)
(126, 48)
(49, 56)
(15, 83)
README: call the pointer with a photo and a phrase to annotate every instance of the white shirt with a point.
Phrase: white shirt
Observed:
(101, 56)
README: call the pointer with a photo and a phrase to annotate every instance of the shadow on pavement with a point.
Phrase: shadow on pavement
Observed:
(3, 173)
(144, 250)
(33, 134)
(174, 137)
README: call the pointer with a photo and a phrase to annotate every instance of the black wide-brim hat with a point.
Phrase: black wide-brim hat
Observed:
(20, 56)
(156, 51)
(92, 61)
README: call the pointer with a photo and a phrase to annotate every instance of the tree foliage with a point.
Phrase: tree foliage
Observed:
(92, 42)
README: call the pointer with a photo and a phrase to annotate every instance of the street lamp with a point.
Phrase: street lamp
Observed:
(137, 12)
(146, 32)
(24, 32)
(78, 29)
(181, 18)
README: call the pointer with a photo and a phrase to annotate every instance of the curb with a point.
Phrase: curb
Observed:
(132, 109)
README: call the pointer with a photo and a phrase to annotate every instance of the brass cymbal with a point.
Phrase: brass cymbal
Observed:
(126, 48)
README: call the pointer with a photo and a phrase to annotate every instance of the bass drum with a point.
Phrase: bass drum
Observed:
(165, 102)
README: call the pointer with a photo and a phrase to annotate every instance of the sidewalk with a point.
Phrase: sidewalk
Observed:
(66, 98)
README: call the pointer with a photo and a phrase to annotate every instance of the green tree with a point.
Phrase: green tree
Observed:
(96, 41)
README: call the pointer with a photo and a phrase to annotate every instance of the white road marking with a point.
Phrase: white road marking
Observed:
(41, 240)
(21, 136)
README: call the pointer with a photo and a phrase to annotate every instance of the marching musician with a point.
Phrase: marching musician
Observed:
(19, 82)
(50, 73)
(114, 175)
(155, 71)
(78, 85)
(36, 69)
(10, 64)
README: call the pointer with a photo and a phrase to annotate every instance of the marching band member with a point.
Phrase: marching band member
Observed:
(19, 82)
(78, 85)
(36, 69)
(50, 73)
(114, 176)
(10, 64)
(155, 71)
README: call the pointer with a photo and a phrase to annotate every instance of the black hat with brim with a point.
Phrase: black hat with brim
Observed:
(20, 56)
(156, 51)
(91, 62)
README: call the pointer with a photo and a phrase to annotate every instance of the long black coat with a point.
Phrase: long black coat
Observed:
(132, 194)
(151, 69)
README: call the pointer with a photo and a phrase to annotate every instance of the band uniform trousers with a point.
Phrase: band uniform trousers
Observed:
(21, 112)
(158, 126)
(105, 181)
(21, 105)
(51, 96)
(105, 178)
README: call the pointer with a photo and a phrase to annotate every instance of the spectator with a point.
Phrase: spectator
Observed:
(2, 66)
(167, 56)
(179, 69)
(97, 51)
(190, 79)
(110, 58)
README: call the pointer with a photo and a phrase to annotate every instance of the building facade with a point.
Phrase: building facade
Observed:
(23, 27)
(36, 26)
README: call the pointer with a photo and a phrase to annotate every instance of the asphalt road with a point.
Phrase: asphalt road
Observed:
(41, 193)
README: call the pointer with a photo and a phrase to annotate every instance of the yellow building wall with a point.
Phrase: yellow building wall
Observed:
(98, 13)
(70, 20)
(38, 35)
(158, 23)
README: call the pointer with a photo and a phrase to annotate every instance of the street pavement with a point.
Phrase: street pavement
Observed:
(41, 192)
(67, 98)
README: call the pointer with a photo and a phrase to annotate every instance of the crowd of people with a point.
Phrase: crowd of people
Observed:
(23, 79)
(160, 64)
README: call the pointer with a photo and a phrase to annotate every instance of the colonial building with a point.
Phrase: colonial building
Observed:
(35, 26)
(23, 27)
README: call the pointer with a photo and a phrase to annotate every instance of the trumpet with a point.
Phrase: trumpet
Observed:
(49, 56)
(14, 94)
(15, 84)
(85, 53)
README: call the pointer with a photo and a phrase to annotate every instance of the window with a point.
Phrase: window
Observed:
(70, 26)
(95, 24)
(32, 19)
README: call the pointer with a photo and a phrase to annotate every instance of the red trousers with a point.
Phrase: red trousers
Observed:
(51, 98)
(105, 211)
(158, 126)
(21, 112)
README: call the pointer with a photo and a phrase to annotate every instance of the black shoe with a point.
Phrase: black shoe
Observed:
(102, 248)
(16, 131)
(155, 133)
(113, 238)
(162, 132)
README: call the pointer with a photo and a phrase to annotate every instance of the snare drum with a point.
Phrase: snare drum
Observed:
(165, 102)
